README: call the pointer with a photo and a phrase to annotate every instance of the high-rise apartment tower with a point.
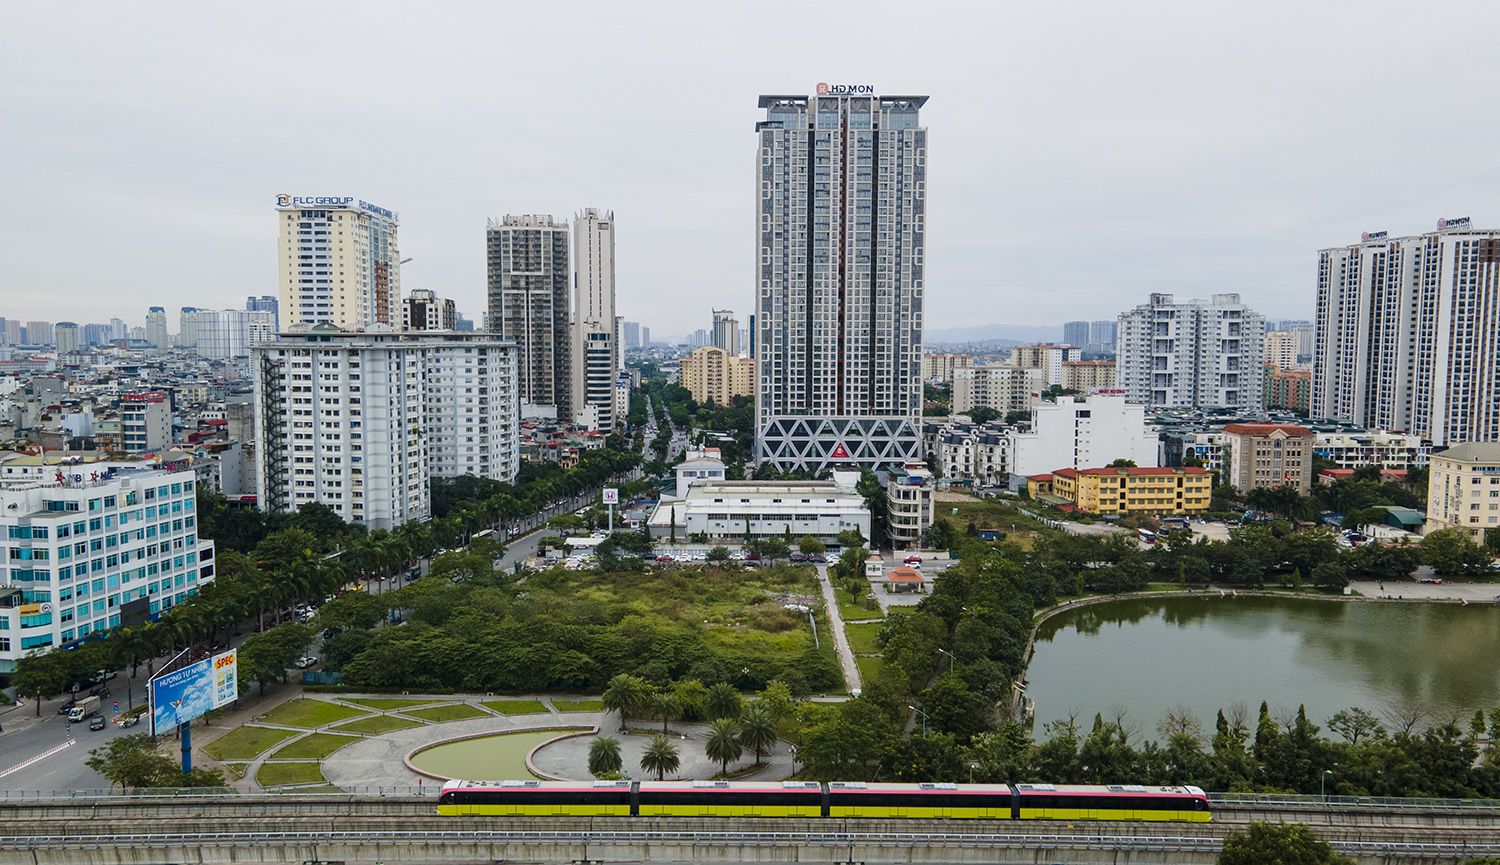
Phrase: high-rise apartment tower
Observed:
(594, 340)
(726, 331)
(156, 327)
(338, 262)
(1408, 337)
(1192, 353)
(528, 282)
(841, 196)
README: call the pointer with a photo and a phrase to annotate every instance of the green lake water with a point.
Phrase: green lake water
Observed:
(500, 757)
(1207, 653)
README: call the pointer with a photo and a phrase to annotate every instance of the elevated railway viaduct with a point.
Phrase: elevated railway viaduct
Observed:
(406, 829)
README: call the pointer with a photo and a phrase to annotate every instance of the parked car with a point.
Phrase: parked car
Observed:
(304, 662)
(798, 557)
(99, 691)
(96, 722)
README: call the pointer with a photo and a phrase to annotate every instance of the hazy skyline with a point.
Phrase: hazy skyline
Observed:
(1082, 155)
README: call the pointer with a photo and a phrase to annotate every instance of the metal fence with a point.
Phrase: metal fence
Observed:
(158, 793)
(716, 840)
(323, 791)
(1272, 799)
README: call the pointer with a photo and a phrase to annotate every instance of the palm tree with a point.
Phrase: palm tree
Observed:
(758, 728)
(660, 757)
(664, 704)
(723, 701)
(604, 756)
(723, 743)
(623, 694)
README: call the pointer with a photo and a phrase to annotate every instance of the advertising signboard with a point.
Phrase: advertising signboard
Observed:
(611, 496)
(181, 695)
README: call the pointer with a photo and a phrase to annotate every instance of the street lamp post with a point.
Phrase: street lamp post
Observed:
(972, 767)
(1323, 780)
(950, 659)
(924, 718)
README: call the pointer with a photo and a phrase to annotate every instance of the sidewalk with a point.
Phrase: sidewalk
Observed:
(840, 639)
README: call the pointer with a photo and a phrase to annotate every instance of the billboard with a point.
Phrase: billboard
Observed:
(181, 695)
(611, 496)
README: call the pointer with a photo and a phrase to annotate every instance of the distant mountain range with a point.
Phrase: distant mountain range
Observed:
(1021, 333)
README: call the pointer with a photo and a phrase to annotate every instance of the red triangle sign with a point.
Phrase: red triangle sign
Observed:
(839, 453)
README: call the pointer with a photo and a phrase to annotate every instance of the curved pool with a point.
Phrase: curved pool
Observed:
(499, 757)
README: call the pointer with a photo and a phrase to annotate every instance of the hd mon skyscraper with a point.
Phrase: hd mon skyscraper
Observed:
(1407, 333)
(841, 194)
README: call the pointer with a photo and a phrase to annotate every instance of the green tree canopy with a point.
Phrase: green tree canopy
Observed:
(1278, 843)
(660, 757)
(604, 756)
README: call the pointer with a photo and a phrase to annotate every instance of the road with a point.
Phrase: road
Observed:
(26, 736)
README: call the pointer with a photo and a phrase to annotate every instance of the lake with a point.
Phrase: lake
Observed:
(1208, 652)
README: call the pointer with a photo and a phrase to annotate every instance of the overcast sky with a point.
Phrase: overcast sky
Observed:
(1082, 155)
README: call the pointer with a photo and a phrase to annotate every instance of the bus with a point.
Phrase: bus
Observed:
(1146, 536)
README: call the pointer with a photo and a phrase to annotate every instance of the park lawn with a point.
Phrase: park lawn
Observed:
(376, 725)
(383, 704)
(516, 707)
(277, 774)
(862, 638)
(869, 669)
(314, 747)
(455, 712)
(984, 514)
(578, 705)
(309, 713)
(853, 612)
(245, 743)
(236, 769)
(734, 597)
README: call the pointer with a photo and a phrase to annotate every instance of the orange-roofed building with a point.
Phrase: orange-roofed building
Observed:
(1269, 455)
(1156, 491)
(904, 579)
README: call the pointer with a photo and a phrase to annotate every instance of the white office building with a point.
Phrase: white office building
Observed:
(1002, 388)
(1352, 450)
(726, 510)
(93, 546)
(360, 421)
(337, 262)
(840, 273)
(1191, 353)
(1081, 433)
(1407, 335)
(221, 334)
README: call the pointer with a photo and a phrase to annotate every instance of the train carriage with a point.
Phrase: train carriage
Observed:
(920, 801)
(536, 798)
(729, 799)
(851, 799)
(1115, 802)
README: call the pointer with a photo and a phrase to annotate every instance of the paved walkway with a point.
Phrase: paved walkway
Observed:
(1410, 590)
(377, 761)
(569, 758)
(840, 640)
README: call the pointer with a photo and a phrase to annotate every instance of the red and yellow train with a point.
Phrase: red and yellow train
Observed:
(813, 799)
